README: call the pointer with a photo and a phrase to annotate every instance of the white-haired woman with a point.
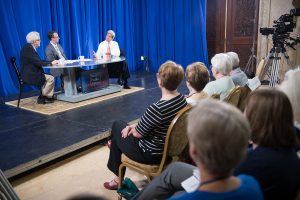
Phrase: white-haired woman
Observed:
(31, 68)
(290, 86)
(221, 68)
(237, 75)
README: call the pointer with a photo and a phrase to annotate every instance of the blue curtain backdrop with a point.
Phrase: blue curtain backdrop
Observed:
(159, 29)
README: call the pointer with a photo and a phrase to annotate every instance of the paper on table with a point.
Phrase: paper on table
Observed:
(82, 60)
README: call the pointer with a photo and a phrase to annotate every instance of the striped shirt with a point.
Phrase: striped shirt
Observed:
(155, 122)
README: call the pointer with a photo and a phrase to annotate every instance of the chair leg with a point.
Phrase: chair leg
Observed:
(122, 167)
(20, 94)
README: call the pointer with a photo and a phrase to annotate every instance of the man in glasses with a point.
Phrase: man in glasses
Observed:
(32, 71)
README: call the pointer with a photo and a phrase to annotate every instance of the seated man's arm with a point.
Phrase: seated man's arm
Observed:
(99, 52)
(32, 57)
(115, 50)
(49, 54)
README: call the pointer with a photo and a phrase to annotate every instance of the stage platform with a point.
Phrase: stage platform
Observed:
(29, 139)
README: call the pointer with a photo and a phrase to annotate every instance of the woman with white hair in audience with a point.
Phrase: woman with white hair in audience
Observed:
(197, 77)
(216, 149)
(291, 87)
(237, 75)
(221, 68)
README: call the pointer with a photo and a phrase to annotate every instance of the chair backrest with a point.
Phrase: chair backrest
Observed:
(216, 96)
(13, 63)
(234, 96)
(176, 138)
(122, 53)
(245, 91)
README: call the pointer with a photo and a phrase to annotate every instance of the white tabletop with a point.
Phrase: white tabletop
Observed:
(85, 62)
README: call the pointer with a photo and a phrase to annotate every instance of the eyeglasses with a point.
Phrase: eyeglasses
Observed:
(38, 40)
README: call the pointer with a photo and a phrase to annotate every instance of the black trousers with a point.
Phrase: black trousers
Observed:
(129, 146)
(119, 70)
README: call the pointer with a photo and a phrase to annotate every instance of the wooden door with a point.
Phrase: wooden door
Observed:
(234, 28)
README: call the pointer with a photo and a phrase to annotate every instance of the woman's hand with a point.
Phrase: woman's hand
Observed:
(128, 130)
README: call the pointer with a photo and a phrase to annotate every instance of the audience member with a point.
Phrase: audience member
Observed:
(237, 75)
(32, 68)
(217, 149)
(290, 86)
(221, 68)
(197, 77)
(144, 142)
(272, 162)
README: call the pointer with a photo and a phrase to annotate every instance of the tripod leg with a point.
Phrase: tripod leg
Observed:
(266, 68)
(274, 70)
(287, 60)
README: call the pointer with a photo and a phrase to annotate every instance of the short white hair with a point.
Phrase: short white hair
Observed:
(112, 33)
(32, 36)
(290, 86)
(234, 59)
(221, 62)
(220, 134)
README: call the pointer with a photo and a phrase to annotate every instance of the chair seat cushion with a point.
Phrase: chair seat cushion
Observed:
(149, 168)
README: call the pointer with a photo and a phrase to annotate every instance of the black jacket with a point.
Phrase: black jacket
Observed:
(32, 72)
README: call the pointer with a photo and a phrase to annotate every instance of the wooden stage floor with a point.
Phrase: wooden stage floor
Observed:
(29, 139)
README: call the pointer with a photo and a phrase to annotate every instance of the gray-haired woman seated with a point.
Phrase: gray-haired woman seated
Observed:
(237, 75)
(221, 68)
(197, 77)
(218, 139)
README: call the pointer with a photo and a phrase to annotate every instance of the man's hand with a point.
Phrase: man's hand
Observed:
(55, 62)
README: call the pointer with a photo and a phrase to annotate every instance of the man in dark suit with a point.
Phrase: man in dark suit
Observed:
(31, 68)
(54, 51)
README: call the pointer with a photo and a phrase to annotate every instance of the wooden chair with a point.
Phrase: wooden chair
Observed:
(175, 144)
(234, 96)
(245, 91)
(215, 96)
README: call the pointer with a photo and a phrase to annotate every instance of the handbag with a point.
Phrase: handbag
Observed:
(128, 189)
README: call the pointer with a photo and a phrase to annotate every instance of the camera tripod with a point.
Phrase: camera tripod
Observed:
(272, 65)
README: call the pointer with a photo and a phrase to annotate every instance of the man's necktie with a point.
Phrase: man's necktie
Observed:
(58, 51)
(108, 54)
